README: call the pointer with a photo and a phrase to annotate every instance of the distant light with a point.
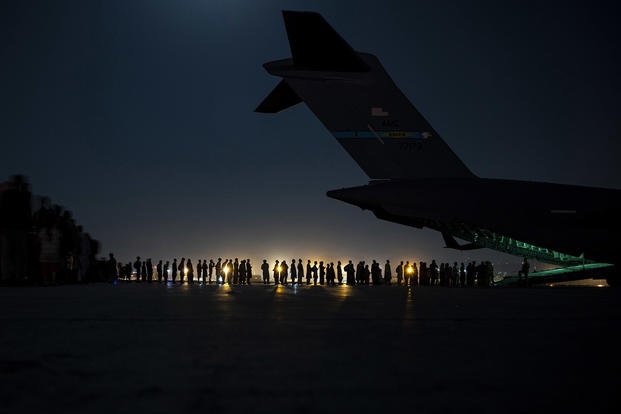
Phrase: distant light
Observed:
(409, 270)
(279, 268)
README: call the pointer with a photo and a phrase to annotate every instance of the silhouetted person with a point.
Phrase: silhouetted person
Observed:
(407, 272)
(235, 271)
(212, 265)
(462, 275)
(339, 273)
(199, 270)
(158, 269)
(166, 267)
(149, 270)
(49, 254)
(375, 272)
(204, 271)
(349, 271)
(470, 274)
(524, 270)
(173, 271)
(111, 266)
(219, 270)
(314, 270)
(366, 274)
(265, 269)
(300, 272)
(15, 225)
(322, 273)
(277, 269)
(138, 268)
(284, 274)
(387, 273)
(181, 270)
(294, 272)
(190, 271)
(414, 280)
(226, 271)
(242, 272)
(144, 271)
(399, 271)
(433, 270)
(309, 271)
(481, 275)
(248, 271)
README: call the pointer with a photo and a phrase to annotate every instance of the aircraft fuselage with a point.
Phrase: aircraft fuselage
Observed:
(571, 219)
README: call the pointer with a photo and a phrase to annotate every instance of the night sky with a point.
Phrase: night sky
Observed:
(138, 116)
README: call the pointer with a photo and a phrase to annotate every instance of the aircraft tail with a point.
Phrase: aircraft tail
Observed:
(358, 102)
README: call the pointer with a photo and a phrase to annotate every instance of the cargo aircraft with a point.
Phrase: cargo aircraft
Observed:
(415, 177)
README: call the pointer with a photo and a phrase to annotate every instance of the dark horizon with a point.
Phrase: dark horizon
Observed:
(139, 118)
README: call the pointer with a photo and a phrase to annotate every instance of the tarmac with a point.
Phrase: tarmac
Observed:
(216, 349)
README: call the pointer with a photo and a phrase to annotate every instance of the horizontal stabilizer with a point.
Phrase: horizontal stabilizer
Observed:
(315, 45)
(282, 97)
(451, 243)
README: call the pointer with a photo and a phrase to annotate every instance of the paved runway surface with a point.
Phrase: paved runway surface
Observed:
(154, 349)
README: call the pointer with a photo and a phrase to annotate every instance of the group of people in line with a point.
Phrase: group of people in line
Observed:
(40, 242)
(239, 272)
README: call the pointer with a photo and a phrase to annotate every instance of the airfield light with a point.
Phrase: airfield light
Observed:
(185, 270)
(226, 269)
(279, 268)
(409, 270)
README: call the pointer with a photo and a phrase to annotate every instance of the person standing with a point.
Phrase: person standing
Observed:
(181, 270)
(138, 268)
(399, 273)
(49, 253)
(144, 271)
(218, 270)
(300, 272)
(199, 270)
(111, 266)
(349, 270)
(366, 274)
(375, 272)
(322, 273)
(339, 272)
(204, 271)
(387, 273)
(175, 268)
(165, 272)
(314, 269)
(248, 272)
(265, 269)
(294, 272)
(309, 271)
(159, 269)
(277, 270)
(235, 271)
(242, 272)
(211, 267)
(190, 271)
(84, 260)
(285, 272)
(149, 270)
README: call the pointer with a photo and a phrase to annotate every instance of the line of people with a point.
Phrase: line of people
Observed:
(228, 271)
(240, 272)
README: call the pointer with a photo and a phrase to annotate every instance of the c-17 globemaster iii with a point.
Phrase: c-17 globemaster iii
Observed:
(417, 180)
